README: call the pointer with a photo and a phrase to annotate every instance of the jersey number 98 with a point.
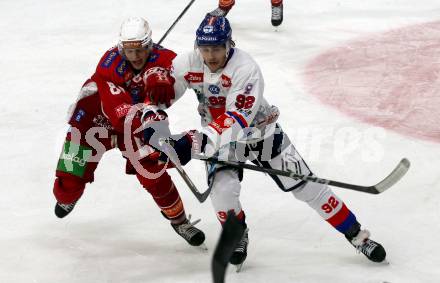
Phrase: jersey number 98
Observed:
(244, 102)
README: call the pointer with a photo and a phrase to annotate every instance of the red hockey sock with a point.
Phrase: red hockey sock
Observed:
(226, 4)
(68, 189)
(165, 195)
(222, 216)
(276, 2)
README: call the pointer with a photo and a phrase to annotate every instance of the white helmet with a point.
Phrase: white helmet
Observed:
(135, 33)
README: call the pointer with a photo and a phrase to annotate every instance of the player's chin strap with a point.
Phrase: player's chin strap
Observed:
(398, 172)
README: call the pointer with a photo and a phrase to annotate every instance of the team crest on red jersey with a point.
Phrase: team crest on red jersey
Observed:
(122, 110)
(120, 69)
(109, 59)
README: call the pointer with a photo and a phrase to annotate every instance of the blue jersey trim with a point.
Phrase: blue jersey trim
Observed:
(236, 118)
(109, 59)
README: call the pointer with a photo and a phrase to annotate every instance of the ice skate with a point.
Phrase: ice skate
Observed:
(277, 15)
(371, 249)
(240, 253)
(62, 210)
(190, 233)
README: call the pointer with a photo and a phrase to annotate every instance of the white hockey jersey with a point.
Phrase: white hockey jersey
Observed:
(231, 102)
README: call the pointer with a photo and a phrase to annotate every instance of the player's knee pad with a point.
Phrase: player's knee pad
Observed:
(310, 192)
(213, 168)
(68, 189)
(225, 192)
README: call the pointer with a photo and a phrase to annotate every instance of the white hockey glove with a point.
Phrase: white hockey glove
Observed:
(270, 118)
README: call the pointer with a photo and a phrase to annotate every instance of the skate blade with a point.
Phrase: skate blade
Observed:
(202, 247)
(239, 267)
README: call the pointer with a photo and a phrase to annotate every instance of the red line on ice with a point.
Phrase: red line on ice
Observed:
(390, 80)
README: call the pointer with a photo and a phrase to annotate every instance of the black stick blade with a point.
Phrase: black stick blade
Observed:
(231, 234)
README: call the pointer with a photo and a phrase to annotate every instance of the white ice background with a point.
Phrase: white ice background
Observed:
(116, 233)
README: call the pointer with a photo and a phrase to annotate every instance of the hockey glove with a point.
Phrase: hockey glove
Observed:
(159, 86)
(192, 142)
(155, 126)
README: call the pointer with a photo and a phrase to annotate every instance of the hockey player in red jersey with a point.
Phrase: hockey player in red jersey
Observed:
(239, 124)
(97, 125)
(277, 10)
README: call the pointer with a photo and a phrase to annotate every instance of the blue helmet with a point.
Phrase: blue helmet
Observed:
(213, 31)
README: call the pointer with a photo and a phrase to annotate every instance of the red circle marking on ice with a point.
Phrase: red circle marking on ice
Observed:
(390, 80)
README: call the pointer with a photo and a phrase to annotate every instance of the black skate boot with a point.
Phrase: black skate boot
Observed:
(191, 234)
(240, 253)
(371, 249)
(277, 15)
(62, 210)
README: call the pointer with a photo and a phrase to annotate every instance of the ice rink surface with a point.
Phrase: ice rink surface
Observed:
(358, 89)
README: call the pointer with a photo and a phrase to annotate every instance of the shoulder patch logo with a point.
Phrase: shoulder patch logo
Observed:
(153, 58)
(226, 81)
(109, 59)
(248, 88)
(79, 115)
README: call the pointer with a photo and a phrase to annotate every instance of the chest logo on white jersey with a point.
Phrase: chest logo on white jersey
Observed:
(214, 89)
(248, 88)
(192, 77)
(226, 81)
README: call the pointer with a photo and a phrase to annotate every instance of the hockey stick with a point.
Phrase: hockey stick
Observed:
(398, 172)
(168, 150)
(175, 22)
(230, 236)
(201, 197)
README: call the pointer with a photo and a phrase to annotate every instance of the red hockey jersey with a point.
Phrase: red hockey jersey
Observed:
(120, 87)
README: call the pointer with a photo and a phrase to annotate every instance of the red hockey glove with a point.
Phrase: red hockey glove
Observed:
(159, 86)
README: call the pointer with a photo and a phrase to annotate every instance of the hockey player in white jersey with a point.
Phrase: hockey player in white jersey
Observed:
(238, 123)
